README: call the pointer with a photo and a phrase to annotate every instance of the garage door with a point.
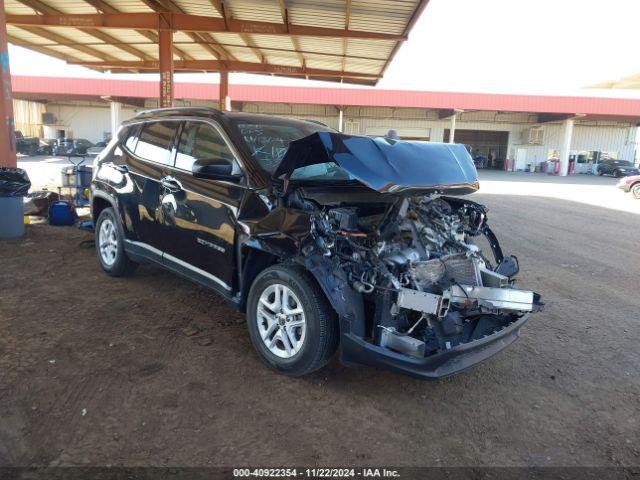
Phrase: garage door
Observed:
(488, 144)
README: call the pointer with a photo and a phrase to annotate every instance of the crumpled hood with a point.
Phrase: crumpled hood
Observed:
(387, 165)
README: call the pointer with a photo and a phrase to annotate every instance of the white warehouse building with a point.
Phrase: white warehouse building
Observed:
(501, 131)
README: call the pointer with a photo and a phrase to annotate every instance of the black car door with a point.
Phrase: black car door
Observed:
(200, 214)
(146, 158)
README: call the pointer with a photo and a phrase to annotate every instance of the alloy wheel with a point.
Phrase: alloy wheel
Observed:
(281, 320)
(108, 242)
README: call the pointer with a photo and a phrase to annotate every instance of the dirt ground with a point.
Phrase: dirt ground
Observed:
(153, 370)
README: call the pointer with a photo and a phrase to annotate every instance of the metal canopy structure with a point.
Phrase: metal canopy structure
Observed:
(336, 40)
(630, 82)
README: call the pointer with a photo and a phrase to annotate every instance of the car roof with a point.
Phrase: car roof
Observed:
(168, 113)
(160, 113)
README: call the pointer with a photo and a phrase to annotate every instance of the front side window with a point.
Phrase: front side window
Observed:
(268, 143)
(155, 140)
(200, 141)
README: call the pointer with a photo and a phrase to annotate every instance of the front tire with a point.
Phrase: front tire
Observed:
(617, 174)
(635, 191)
(110, 245)
(600, 172)
(291, 324)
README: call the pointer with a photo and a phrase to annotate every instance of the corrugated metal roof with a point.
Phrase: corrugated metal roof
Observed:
(352, 40)
(627, 109)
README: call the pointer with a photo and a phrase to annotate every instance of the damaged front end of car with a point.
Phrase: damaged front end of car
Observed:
(404, 265)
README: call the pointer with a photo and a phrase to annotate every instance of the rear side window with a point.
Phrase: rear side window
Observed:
(200, 141)
(155, 140)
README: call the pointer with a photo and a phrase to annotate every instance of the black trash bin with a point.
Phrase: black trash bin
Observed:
(14, 184)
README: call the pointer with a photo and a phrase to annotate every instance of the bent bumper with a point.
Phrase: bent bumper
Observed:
(355, 350)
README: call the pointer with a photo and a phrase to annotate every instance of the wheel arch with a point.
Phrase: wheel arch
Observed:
(99, 202)
(252, 260)
(347, 303)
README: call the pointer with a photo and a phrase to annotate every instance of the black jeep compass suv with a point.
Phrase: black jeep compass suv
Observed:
(323, 239)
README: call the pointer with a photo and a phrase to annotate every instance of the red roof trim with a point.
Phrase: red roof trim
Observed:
(333, 96)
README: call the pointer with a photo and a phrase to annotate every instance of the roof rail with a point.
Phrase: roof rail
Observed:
(317, 122)
(175, 109)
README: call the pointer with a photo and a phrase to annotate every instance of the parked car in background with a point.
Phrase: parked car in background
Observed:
(46, 146)
(96, 149)
(631, 184)
(68, 147)
(62, 146)
(617, 168)
(318, 236)
(26, 145)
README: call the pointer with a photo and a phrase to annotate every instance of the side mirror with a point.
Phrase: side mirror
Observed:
(214, 169)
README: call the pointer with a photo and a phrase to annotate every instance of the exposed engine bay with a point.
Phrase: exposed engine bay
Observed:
(427, 284)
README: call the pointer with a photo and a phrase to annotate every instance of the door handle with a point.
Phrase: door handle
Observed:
(171, 184)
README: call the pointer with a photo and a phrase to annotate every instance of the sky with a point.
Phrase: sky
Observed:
(502, 46)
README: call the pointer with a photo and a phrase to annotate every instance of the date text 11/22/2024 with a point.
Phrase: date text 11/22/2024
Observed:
(315, 473)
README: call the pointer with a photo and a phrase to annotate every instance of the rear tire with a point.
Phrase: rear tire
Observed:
(295, 344)
(635, 191)
(600, 172)
(110, 245)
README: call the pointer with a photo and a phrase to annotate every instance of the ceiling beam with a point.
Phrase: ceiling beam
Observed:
(45, 10)
(229, 66)
(203, 42)
(188, 23)
(254, 48)
(41, 49)
(284, 13)
(103, 7)
(324, 78)
(218, 5)
(59, 39)
(46, 51)
(164, 6)
(347, 18)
